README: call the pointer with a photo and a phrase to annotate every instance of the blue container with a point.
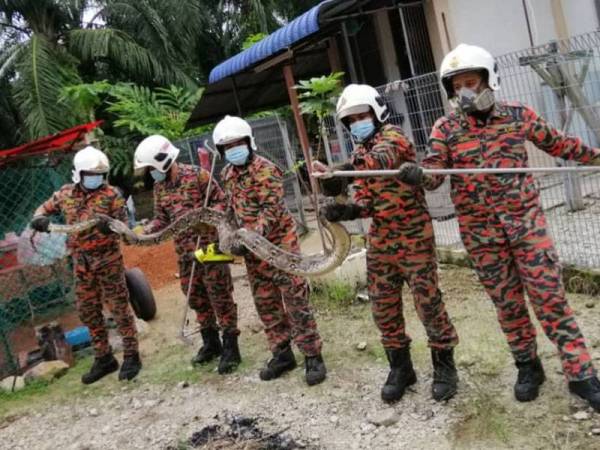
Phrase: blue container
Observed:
(78, 337)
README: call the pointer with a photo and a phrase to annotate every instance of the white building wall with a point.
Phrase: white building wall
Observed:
(500, 25)
(581, 16)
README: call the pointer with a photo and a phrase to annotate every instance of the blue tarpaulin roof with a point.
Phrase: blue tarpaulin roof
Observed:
(235, 88)
(299, 28)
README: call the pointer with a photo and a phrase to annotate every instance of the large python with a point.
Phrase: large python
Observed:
(311, 265)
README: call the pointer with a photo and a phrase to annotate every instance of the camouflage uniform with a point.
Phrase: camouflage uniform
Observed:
(503, 226)
(98, 263)
(212, 287)
(255, 192)
(400, 243)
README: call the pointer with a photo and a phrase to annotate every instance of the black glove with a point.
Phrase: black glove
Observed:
(410, 173)
(332, 187)
(103, 226)
(337, 212)
(238, 250)
(40, 223)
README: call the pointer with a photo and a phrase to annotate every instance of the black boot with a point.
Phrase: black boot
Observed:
(211, 347)
(445, 377)
(230, 358)
(315, 369)
(530, 378)
(283, 360)
(102, 366)
(589, 390)
(401, 374)
(131, 367)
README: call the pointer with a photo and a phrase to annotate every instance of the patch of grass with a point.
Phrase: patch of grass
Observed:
(485, 419)
(333, 296)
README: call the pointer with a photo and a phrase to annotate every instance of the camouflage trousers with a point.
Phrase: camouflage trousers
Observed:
(100, 284)
(211, 295)
(518, 257)
(386, 274)
(282, 304)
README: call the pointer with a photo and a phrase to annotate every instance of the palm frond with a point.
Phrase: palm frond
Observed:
(118, 48)
(9, 56)
(43, 71)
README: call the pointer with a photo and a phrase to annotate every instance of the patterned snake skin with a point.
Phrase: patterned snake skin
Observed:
(311, 265)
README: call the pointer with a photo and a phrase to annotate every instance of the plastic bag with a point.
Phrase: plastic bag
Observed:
(41, 249)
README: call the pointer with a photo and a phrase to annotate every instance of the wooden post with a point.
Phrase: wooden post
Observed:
(302, 134)
(288, 74)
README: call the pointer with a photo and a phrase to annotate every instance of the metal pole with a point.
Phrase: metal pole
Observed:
(236, 97)
(185, 338)
(326, 145)
(349, 57)
(412, 68)
(215, 155)
(473, 171)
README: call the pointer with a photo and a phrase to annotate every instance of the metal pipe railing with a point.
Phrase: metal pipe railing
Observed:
(467, 171)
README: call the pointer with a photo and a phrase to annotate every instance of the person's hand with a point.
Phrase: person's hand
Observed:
(238, 249)
(40, 223)
(410, 173)
(323, 170)
(103, 226)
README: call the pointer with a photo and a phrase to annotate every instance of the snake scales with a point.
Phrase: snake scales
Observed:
(229, 234)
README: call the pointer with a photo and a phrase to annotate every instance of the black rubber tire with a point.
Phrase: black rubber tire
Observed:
(140, 294)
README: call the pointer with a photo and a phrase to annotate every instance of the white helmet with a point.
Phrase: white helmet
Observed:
(230, 129)
(360, 98)
(155, 151)
(467, 58)
(89, 159)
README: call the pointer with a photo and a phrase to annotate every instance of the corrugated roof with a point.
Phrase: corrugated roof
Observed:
(299, 28)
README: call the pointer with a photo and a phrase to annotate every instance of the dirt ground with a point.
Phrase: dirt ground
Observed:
(174, 406)
(159, 262)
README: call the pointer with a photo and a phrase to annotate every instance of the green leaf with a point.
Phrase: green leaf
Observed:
(44, 71)
(118, 47)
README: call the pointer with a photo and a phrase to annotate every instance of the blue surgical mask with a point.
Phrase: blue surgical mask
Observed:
(158, 176)
(362, 129)
(237, 155)
(91, 182)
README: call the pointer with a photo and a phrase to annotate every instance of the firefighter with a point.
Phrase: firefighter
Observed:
(254, 190)
(98, 262)
(179, 188)
(501, 221)
(400, 245)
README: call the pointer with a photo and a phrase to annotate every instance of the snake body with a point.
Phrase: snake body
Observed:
(229, 234)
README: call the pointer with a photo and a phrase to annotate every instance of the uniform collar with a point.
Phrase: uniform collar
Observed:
(86, 193)
(499, 111)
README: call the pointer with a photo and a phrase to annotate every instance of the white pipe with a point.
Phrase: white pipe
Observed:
(468, 171)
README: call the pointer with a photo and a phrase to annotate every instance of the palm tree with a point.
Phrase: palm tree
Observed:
(46, 46)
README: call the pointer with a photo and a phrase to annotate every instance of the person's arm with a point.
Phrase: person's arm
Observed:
(555, 142)
(438, 157)
(40, 220)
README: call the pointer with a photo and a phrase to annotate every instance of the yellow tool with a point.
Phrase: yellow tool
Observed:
(212, 256)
